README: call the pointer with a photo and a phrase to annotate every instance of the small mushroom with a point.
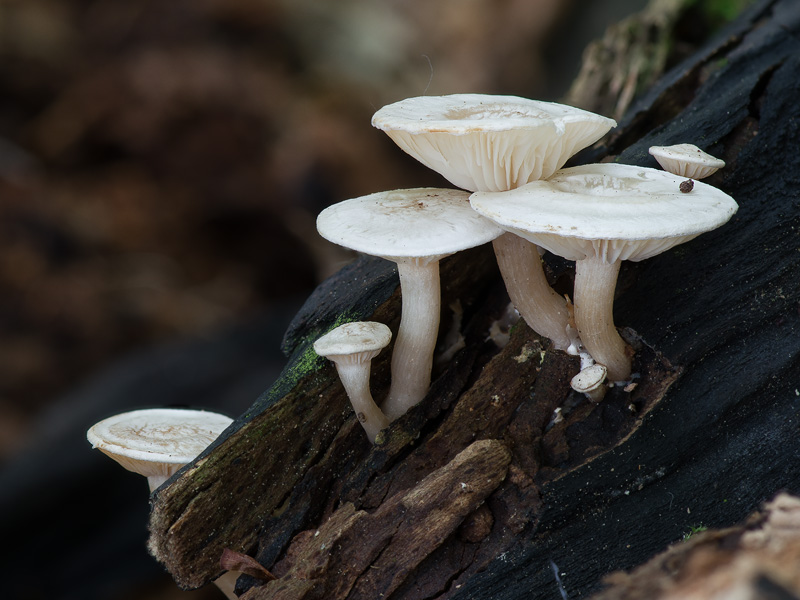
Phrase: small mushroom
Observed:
(156, 442)
(414, 228)
(686, 160)
(589, 381)
(351, 347)
(497, 143)
(599, 215)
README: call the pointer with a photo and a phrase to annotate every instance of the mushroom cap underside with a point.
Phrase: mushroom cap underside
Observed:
(159, 436)
(357, 337)
(490, 143)
(413, 223)
(686, 160)
(617, 212)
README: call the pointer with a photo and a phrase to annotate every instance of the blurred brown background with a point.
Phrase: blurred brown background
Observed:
(161, 167)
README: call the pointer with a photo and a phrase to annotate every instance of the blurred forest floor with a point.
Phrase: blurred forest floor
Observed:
(162, 163)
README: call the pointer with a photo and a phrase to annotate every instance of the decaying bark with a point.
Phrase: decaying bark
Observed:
(481, 489)
(757, 560)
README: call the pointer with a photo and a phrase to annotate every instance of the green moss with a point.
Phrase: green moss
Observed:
(309, 361)
(719, 12)
(693, 529)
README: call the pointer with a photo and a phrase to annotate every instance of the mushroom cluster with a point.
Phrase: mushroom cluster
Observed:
(507, 156)
(493, 144)
(599, 215)
(414, 228)
(509, 152)
(478, 143)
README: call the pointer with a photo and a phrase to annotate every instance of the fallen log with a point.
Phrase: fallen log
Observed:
(708, 433)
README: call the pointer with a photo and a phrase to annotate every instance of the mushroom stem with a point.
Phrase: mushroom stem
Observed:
(354, 372)
(412, 357)
(595, 283)
(542, 308)
(156, 481)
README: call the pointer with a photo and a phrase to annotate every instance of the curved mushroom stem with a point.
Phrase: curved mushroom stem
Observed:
(412, 357)
(542, 308)
(595, 282)
(354, 372)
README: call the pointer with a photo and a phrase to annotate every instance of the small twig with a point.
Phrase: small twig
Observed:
(236, 561)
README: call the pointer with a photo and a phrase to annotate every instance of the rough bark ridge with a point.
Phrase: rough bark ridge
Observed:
(479, 492)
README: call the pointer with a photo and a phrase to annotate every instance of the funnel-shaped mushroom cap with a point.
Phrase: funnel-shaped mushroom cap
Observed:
(686, 160)
(490, 143)
(156, 442)
(362, 340)
(414, 223)
(611, 211)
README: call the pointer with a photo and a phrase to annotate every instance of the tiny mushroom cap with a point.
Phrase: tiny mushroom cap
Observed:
(599, 215)
(415, 228)
(351, 347)
(157, 442)
(490, 143)
(590, 382)
(686, 160)
(358, 341)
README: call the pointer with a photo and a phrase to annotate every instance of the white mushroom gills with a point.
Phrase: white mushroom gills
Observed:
(415, 228)
(490, 143)
(351, 347)
(686, 160)
(498, 143)
(599, 215)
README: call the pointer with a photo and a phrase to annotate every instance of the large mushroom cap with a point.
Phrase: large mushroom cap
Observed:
(686, 160)
(617, 212)
(152, 441)
(489, 143)
(366, 337)
(413, 223)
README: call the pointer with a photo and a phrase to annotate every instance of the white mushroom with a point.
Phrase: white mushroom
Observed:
(686, 160)
(156, 443)
(351, 347)
(497, 143)
(415, 229)
(600, 215)
(490, 143)
(589, 381)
